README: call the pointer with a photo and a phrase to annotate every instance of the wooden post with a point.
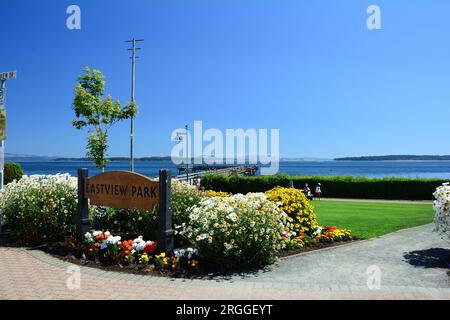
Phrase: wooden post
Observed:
(83, 224)
(165, 232)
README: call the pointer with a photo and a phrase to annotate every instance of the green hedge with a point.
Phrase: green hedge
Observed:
(332, 187)
(13, 171)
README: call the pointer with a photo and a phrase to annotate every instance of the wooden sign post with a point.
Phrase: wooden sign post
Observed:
(127, 190)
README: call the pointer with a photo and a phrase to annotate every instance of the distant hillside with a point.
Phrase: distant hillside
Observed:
(396, 158)
(13, 157)
(119, 159)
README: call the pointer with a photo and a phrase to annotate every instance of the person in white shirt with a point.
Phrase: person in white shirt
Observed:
(318, 192)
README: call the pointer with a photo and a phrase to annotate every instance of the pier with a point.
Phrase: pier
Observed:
(196, 171)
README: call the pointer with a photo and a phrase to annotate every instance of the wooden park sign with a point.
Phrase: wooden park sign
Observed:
(122, 189)
(127, 190)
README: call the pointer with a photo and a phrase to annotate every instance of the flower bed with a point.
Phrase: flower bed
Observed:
(214, 230)
(306, 231)
(109, 250)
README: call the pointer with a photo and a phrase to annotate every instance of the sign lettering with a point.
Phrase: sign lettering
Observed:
(122, 189)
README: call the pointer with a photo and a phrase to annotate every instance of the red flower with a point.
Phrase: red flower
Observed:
(150, 247)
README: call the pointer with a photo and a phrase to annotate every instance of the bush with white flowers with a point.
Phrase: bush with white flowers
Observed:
(241, 230)
(442, 209)
(184, 196)
(40, 208)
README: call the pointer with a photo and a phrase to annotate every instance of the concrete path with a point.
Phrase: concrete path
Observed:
(411, 264)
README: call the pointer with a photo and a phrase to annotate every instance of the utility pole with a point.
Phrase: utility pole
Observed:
(133, 64)
(187, 153)
(3, 77)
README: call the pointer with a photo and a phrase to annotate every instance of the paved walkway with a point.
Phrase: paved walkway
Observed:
(412, 264)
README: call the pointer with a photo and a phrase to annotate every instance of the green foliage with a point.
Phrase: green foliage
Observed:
(97, 146)
(98, 113)
(13, 171)
(332, 187)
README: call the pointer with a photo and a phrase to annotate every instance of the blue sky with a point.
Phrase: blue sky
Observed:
(309, 68)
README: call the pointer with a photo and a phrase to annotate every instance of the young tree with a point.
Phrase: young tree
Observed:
(98, 113)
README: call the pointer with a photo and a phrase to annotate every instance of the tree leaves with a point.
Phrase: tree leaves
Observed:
(97, 112)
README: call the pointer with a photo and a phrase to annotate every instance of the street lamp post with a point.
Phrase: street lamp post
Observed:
(3, 77)
(178, 139)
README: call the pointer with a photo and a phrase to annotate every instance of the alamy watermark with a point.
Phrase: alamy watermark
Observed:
(73, 22)
(232, 147)
(373, 277)
(374, 20)
(73, 282)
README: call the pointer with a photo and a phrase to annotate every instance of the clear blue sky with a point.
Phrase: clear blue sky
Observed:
(309, 68)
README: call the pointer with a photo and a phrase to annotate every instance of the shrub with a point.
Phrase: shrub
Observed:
(332, 187)
(442, 209)
(184, 196)
(238, 230)
(126, 221)
(40, 208)
(13, 171)
(297, 206)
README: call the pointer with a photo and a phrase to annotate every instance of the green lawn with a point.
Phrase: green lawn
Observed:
(372, 219)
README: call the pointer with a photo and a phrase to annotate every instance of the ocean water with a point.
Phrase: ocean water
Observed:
(376, 169)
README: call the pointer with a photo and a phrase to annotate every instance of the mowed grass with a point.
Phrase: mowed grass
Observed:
(372, 219)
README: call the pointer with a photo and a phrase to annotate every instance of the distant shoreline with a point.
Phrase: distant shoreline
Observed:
(114, 159)
(169, 159)
(396, 158)
(389, 158)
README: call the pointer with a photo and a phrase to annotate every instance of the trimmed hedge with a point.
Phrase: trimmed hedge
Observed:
(13, 171)
(332, 187)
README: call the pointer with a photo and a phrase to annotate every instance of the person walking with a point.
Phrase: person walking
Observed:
(307, 191)
(318, 192)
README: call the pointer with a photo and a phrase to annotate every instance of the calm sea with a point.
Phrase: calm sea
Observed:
(378, 169)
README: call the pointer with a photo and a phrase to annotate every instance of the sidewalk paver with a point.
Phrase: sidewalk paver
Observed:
(336, 273)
